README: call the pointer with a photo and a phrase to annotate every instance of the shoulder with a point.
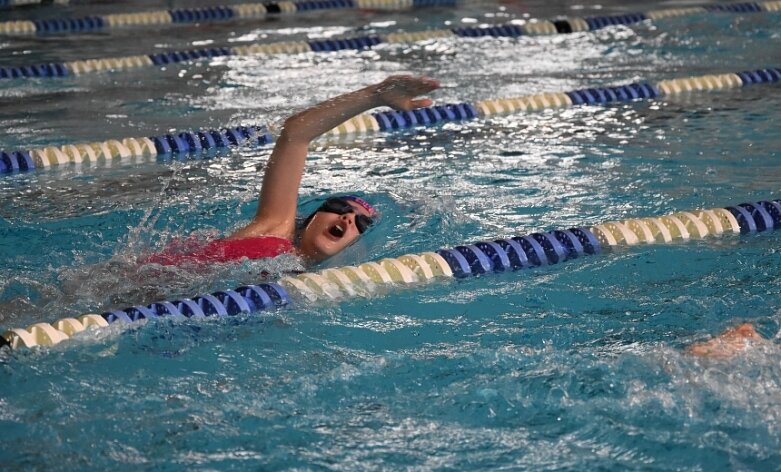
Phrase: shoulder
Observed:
(262, 229)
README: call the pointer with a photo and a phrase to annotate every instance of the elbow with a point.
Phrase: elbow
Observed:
(294, 129)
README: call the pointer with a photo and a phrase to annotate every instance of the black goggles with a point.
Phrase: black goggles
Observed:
(341, 206)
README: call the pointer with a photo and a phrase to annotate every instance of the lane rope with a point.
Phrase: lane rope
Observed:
(198, 142)
(201, 15)
(24, 3)
(529, 28)
(467, 260)
(163, 146)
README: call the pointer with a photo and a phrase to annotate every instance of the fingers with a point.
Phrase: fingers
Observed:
(412, 84)
(431, 84)
(399, 91)
(409, 105)
(421, 102)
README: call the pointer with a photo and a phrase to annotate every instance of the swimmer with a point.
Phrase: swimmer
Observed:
(339, 221)
(729, 343)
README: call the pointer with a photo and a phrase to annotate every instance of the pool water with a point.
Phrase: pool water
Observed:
(576, 366)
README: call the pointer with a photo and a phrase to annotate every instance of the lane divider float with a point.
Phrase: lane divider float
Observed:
(475, 259)
(392, 120)
(105, 152)
(23, 3)
(197, 142)
(202, 15)
(529, 28)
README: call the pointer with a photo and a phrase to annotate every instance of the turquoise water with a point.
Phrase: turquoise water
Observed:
(578, 366)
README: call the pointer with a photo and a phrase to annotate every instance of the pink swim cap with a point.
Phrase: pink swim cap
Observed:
(364, 204)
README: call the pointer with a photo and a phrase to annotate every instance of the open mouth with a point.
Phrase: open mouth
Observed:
(336, 231)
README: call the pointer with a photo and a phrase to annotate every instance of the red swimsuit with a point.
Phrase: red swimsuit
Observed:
(221, 250)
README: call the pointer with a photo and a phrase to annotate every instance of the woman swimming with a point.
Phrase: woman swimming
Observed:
(339, 221)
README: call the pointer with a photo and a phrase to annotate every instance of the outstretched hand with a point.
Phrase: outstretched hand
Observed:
(399, 91)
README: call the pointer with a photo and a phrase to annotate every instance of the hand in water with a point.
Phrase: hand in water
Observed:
(728, 343)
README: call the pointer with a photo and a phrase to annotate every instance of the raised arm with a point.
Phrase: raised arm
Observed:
(279, 192)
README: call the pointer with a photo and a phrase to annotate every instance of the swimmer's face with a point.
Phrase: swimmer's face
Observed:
(333, 229)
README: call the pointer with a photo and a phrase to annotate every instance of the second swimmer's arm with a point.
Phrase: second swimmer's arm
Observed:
(279, 191)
